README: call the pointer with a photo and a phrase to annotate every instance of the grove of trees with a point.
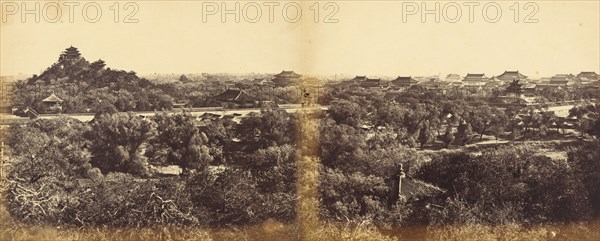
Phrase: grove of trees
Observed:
(103, 173)
(67, 172)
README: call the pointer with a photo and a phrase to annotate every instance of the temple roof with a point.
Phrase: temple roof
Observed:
(359, 78)
(561, 78)
(373, 80)
(52, 98)
(370, 82)
(356, 81)
(475, 77)
(71, 51)
(453, 77)
(511, 75)
(288, 74)
(235, 95)
(405, 79)
(588, 75)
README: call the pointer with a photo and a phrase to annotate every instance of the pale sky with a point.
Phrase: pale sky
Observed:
(370, 38)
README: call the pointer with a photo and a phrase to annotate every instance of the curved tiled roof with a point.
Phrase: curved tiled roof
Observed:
(235, 95)
(475, 77)
(403, 79)
(511, 75)
(52, 98)
(288, 74)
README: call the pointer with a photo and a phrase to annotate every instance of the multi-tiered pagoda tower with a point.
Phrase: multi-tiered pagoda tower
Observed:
(70, 54)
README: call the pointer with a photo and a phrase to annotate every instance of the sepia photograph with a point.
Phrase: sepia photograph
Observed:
(347, 120)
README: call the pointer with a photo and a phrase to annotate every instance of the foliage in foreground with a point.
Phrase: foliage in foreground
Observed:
(55, 181)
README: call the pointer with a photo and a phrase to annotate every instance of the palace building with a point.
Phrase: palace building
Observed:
(372, 84)
(52, 104)
(286, 78)
(236, 98)
(475, 80)
(509, 76)
(588, 76)
(404, 81)
(453, 78)
(353, 82)
(562, 79)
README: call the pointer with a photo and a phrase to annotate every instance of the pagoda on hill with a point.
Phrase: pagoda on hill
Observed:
(70, 54)
(52, 104)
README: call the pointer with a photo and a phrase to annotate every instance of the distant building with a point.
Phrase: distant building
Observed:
(548, 86)
(363, 82)
(588, 76)
(562, 79)
(404, 82)
(436, 86)
(556, 82)
(236, 98)
(286, 78)
(372, 84)
(455, 83)
(352, 82)
(494, 84)
(528, 89)
(475, 80)
(358, 79)
(70, 54)
(509, 76)
(52, 104)
(586, 80)
(261, 81)
(453, 78)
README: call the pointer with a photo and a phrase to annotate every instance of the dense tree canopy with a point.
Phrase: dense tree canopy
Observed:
(180, 142)
(116, 142)
(105, 172)
(531, 188)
